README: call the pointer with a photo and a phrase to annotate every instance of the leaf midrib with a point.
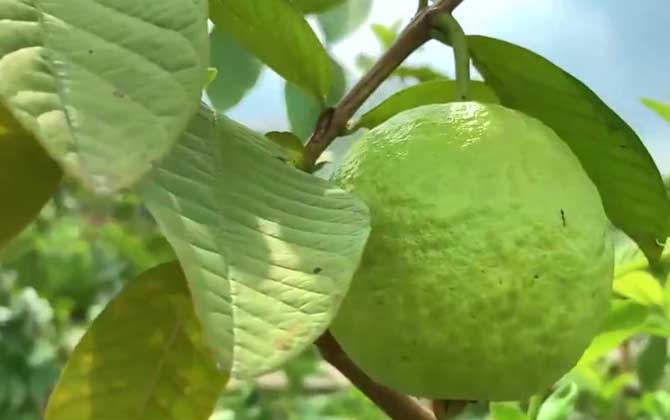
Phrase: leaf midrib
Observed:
(159, 370)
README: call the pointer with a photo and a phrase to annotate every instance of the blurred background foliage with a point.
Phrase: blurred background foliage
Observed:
(58, 275)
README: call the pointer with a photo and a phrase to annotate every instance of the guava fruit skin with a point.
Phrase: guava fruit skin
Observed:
(489, 266)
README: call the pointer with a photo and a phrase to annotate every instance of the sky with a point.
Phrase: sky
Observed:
(619, 48)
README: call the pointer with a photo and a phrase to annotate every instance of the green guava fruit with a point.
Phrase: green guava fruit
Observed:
(489, 266)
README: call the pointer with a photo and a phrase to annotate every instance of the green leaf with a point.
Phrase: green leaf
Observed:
(28, 177)
(143, 358)
(386, 35)
(612, 154)
(303, 111)
(663, 110)
(106, 87)
(269, 251)
(434, 92)
(278, 34)
(291, 143)
(238, 71)
(342, 20)
(506, 411)
(640, 287)
(315, 6)
(211, 76)
(651, 362)
(561, 404)
(419, 73)
(625, 320)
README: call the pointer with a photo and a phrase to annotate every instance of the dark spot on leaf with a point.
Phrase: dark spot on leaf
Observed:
(563, 217)
(119, 93)
(90, 51)
(537, 276)
(317, 270)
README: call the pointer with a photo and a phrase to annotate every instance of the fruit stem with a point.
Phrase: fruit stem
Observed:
(396, 405)
(449, 27)
(534, 406)
(333, 122)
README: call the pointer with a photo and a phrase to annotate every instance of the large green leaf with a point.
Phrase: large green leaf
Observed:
(661, 109)
(277, 33)
(238, 71)
(613, 155)
(315, 6)
(28, 177)
(106, 86)
(142, 359)
(269, 251)
(433, 92)
(303, 111)
(344, 19)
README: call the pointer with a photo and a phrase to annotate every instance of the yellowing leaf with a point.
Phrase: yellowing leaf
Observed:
(142, 359)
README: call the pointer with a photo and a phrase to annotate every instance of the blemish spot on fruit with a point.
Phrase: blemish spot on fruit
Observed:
(317, 270)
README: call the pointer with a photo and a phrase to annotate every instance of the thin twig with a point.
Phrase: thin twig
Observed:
(333, 122)
(396, 405)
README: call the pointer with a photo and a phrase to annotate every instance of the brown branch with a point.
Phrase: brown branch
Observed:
(396, 405)
(333, 122)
